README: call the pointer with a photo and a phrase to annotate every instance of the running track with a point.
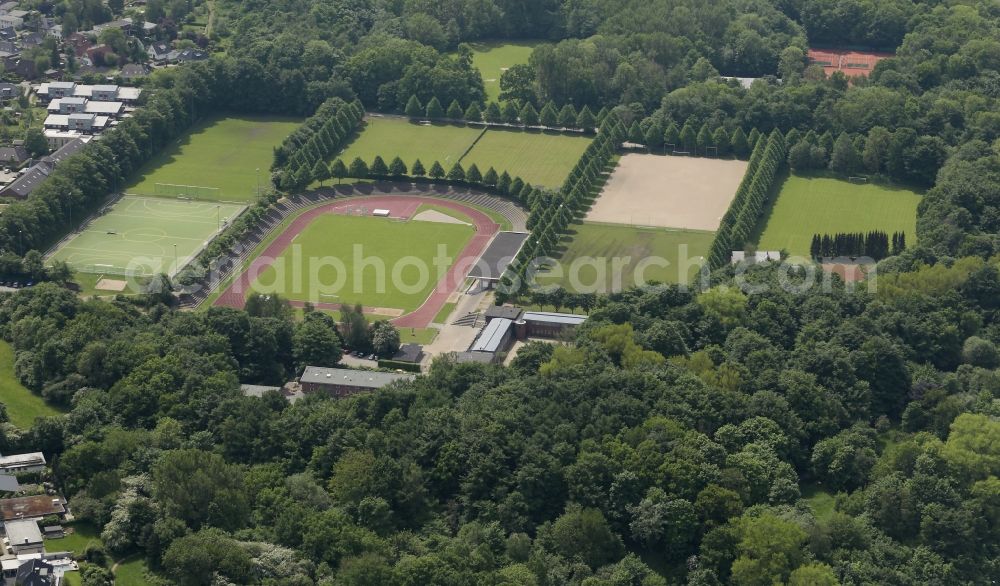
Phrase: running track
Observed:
(399, 206)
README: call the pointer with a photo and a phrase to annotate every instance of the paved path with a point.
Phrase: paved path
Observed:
(399, 206)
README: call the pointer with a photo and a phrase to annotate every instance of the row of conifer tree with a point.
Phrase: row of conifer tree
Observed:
(875, 244)
(750, 200)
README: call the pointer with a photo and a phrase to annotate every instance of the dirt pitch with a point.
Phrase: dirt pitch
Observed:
(668, 192)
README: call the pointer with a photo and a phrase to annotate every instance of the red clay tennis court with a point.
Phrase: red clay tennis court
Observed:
(852, 63)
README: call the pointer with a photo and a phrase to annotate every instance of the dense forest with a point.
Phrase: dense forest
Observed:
(748, 433)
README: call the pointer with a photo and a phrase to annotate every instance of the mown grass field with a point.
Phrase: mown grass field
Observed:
(541, 158)
(823, 205)
(492, 59)
(641, 255)
(399, 246)
(396, 137)
(23, 406)
(222, 152)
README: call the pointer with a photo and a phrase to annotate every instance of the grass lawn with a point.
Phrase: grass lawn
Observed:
(72, 578)
(540, 158)
(445, 313)
(822, 205)
(83, 534)
(147, 235)
(222, 152)
(392, 137)
(88, 286)
(492, 59)
(820, 501)
(131, 572)
(23, 406)
(320, 264)
(590, 259)
(420, 336)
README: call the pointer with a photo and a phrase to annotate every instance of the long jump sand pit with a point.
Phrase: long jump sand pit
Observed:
(668, 192)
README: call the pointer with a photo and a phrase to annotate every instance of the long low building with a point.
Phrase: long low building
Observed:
(342, 382)
(96, 93)
(31, 507)
(30, 462)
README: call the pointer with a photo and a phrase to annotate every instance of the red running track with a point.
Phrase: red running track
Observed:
(399, 206)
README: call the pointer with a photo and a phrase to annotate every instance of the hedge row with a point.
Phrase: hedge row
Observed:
(551, 213)
(751, 198)
(298, 160)
(509, 113)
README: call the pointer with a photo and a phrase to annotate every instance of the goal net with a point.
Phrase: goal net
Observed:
(186, 191)
(858, 179)
(711, 151)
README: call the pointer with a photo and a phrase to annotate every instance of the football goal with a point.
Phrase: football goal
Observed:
(858, 179)
(186, 191)
(711, 151)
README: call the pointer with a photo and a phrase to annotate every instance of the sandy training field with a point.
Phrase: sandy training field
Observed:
(668, 192)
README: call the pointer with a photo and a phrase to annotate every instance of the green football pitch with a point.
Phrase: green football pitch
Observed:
(539, 158)
(144, 236)
(492, 59)
(605, 258)
(821, 205)
(339, 259)
(221, 152)
(396, 137)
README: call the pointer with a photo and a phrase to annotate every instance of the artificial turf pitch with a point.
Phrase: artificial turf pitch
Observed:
(540, 158)
(140, 234)
(221, 152)
(643, 255)
(821, 205)
(305, 271)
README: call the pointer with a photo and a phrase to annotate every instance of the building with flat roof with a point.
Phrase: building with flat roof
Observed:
(341, 382)
(412, 353)
(30, 462)
(24, 536)
(543, 324)
(495, 337)
(31, 507)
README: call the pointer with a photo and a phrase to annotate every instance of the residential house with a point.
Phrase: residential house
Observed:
(125, 24)
(32, 40)
(24, 536)
(9, 91)
(8, 34)
(36, 572)
(8, 49)
(58, 138)
(29, 462)
(8, 6)
(13, 19)
(191, 55)
(79, 42)
(134, 71)
(58, 89)
(339, 382)
(31, 507)
(104, 93)
(76, 124)
(13, 156)
(29, 181)
(149, 29)
(68, 105)
(160, 52)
